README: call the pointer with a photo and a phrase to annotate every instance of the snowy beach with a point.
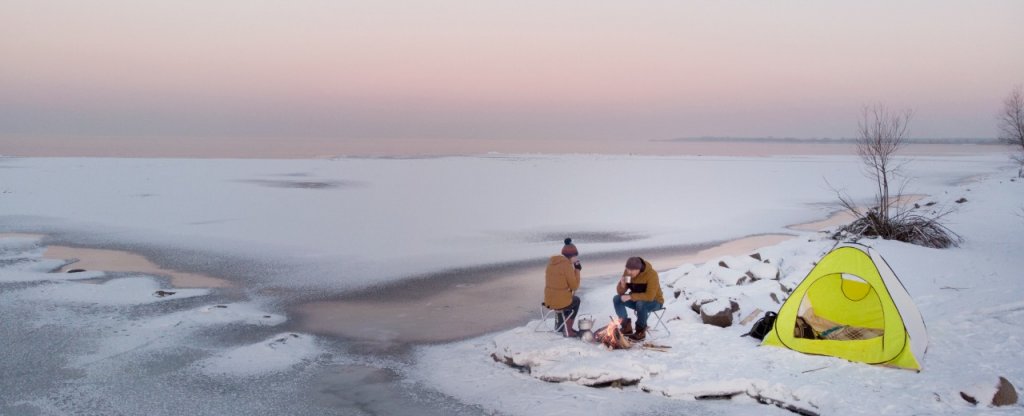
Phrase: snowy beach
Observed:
(969, 296)
(323, 279)
(446, 208)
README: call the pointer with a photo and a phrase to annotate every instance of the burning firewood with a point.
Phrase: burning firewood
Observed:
(612, 337)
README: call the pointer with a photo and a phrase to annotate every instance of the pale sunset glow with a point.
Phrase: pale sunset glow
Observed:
(483, 70)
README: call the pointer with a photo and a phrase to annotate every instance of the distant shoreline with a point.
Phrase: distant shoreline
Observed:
(838, 140)
(325, 148)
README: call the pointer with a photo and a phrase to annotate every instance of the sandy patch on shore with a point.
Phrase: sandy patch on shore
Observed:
(440, 311)
(123, 261)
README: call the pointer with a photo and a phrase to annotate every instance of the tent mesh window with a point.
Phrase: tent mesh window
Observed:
(840, 307)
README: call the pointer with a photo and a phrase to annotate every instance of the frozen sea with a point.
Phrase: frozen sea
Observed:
(351, 223)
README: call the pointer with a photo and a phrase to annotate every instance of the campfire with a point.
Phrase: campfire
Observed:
(611, 337)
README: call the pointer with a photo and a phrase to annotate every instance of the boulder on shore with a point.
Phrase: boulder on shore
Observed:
(717, 313)
(1006, 394)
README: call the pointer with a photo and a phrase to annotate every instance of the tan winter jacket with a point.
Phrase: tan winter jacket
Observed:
(561, 281)
(647, 277)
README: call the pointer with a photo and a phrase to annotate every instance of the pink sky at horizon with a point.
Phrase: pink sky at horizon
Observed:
(533, 69)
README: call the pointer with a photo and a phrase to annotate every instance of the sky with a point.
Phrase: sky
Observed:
(530, 70)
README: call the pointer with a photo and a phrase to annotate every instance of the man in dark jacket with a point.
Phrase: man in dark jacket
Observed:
(640, 290)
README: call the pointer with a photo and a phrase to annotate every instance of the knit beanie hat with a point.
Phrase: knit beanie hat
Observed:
(635, 263)
(569, 250)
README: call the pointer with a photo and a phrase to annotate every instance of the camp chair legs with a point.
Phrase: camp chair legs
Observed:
(659, 314)
(546, 314)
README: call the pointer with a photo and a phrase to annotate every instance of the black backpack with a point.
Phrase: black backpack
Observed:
(763, 326)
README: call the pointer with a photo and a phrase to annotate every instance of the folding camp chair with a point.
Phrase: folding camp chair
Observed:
(547, 313)
(659, 313)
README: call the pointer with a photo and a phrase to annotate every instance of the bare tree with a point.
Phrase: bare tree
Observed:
(880, 134)
(1011, 124)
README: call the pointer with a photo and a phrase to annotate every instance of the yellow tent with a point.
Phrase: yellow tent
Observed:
(852, 306)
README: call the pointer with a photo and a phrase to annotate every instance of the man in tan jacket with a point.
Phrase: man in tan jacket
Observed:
(640, 290)
(562, 279)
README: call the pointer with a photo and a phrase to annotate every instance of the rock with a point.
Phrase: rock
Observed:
(764, 271)
(756, 256)
(76, 270)
(785, 289)
(775, 298)
(511, 363)
(961, 200)
(162, 293)
(697, 304)
(722, 264)
(717, 313)
(1006, 394)
(1001, 394)
(726, 276)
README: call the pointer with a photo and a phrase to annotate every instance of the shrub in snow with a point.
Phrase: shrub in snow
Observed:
(906, 225)
(881, 134)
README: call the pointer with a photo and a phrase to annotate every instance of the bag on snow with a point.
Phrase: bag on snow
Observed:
(763, 325)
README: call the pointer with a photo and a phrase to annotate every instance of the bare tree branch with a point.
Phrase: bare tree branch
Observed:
(880, 134)
(1010, 122)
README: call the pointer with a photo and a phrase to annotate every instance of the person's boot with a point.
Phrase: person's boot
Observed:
(626, 327)
(640, 334)
(569, 332)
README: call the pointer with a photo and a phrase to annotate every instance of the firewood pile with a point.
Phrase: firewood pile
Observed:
(611, 337)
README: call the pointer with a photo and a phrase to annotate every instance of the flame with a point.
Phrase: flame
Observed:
(611, 337)
(612, 328)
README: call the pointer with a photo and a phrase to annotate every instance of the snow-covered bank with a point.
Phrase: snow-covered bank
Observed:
(969, 297)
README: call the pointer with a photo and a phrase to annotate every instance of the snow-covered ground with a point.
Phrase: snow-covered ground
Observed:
(118, 343)
(970, 298)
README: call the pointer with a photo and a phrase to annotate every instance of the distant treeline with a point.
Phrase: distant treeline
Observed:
(827, 140)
